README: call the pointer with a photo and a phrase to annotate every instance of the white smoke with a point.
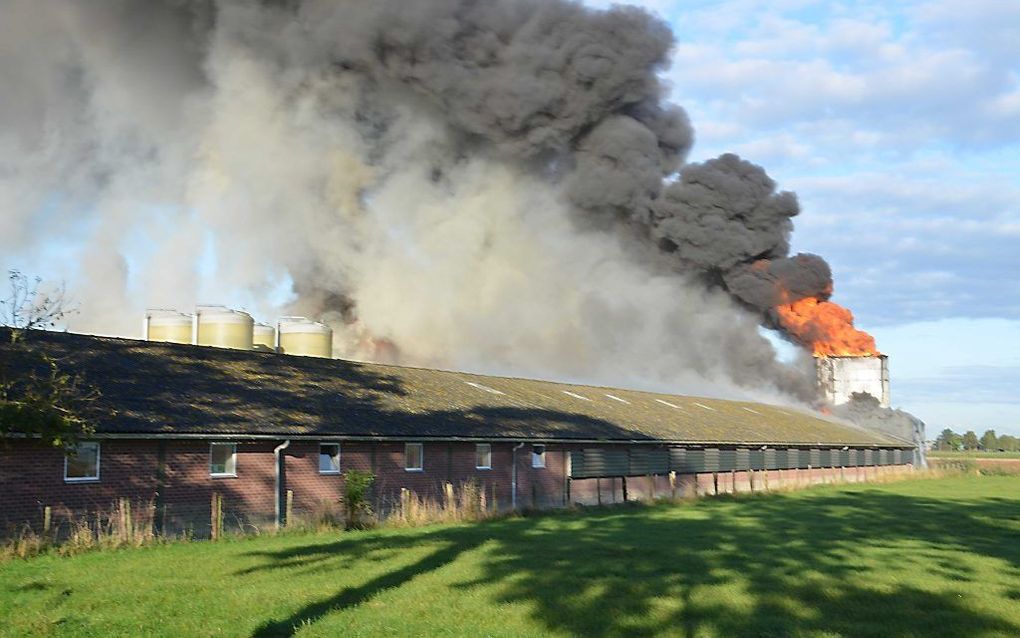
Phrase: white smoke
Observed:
(140, 154)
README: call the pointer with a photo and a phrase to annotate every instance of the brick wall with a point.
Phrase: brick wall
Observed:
(178, 498)
(31, 478)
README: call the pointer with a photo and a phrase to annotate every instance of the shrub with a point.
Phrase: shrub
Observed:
(358, 512)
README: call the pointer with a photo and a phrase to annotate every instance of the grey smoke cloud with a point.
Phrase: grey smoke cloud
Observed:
(494, 184)
(765, 284)
(725, 217)
(864, 410)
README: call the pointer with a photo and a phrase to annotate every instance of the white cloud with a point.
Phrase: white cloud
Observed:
(776, 70)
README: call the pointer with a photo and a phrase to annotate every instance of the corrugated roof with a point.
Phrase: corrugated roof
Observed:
(171, 389)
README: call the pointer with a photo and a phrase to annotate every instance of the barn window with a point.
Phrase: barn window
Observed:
(414, 457)
(223, 459)
(329, 458)
(537, 456)
(83, 463)
(483, 456)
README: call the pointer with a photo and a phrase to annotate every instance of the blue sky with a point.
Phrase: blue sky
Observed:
(898, 125)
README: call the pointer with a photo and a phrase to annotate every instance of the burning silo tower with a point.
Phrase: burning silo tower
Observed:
(840, 377)
(846, 359)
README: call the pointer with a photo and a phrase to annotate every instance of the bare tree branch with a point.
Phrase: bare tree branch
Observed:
(37, 397)
(30, 307)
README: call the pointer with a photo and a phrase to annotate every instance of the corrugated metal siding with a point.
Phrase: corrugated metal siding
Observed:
(803, 458)
(743, 459)
(590, 463)
(677, 459)
(833, 459)
(788, 457)
(595, 462)
(646, 460)
(652, 460)
(711, 460)
(727, 460)
(695, 461)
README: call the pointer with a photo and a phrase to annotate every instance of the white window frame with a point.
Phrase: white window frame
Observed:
(421, 457)
(233, 454)
(85, 479)
(321, 445)
(538, 458)
(488, 454)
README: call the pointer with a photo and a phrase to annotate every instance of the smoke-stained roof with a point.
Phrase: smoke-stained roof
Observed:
(170, 389)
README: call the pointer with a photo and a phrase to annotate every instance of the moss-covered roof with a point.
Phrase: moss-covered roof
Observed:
(157, 388)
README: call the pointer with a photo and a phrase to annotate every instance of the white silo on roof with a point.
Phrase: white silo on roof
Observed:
(264, 337)
(168, 326)
(224, 328)
(302, 336)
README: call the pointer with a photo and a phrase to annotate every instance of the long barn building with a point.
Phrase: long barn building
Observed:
(260, 434)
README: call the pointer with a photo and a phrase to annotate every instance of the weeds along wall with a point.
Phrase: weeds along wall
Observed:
(169, 489)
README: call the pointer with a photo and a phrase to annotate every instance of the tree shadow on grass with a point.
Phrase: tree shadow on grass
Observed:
(775, 565)
(351, 596)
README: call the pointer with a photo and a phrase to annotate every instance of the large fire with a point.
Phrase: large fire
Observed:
(825, 327)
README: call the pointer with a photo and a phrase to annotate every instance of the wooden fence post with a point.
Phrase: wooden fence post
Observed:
(126, 527)
(216, 516)
(451, 503)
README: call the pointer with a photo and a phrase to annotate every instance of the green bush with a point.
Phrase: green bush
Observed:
(357, 509)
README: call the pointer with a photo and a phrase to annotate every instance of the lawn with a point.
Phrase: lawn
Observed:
(974, 454)
(913, 558)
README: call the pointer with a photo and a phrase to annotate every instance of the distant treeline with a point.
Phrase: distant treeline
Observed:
(989, 441)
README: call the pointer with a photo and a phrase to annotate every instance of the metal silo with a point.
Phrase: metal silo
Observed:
(301, 336)
(167, 325)
(264, 338)
(224, 328)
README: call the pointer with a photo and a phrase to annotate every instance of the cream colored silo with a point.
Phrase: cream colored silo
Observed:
(225, 328)
(264, 338)
(300, 336)
(168, 325)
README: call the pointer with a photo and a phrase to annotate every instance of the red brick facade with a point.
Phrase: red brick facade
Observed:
(169, 485)
(169, 481)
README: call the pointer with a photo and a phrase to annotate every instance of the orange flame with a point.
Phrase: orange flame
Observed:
(825, 327)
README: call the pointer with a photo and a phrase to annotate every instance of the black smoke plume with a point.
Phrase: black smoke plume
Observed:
(361, 107)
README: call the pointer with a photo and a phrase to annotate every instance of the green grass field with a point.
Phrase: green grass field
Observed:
(915, 558)
(974, 455)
